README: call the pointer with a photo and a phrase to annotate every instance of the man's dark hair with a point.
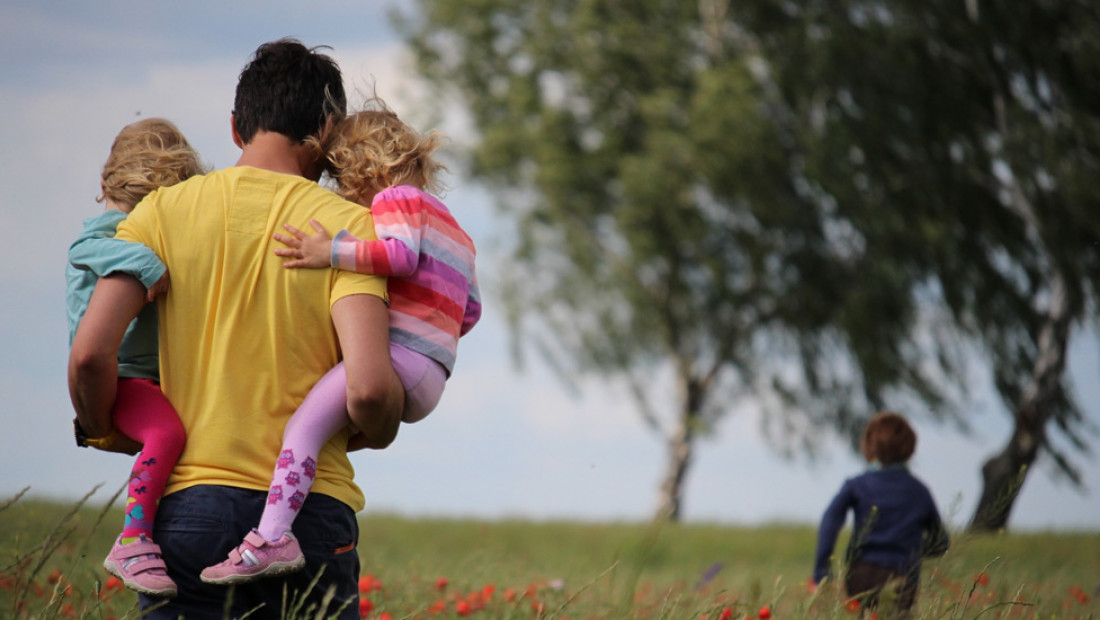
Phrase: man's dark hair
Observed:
(289, 89)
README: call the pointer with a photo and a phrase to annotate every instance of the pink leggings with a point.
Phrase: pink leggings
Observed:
(143, 414)
(321, 415)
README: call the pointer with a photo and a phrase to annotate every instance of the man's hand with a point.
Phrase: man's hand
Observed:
(310, 251)
(160, 286)
(359, 441)
(112, 442)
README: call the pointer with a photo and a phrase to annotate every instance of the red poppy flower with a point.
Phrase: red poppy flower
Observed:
(764, 613)
(368, 583)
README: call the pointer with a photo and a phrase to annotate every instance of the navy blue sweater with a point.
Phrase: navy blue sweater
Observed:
(896, 522)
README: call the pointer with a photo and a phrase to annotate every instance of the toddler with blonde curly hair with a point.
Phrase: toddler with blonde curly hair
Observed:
(146, 155)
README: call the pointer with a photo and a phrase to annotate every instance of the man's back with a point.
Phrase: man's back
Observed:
(243, 339)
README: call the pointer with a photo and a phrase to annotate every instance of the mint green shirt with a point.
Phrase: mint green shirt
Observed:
(95, 254)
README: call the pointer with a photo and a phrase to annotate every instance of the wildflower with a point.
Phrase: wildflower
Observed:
(487, 592)
(114, 583)
(852, 606)
(368, 583)
(510, 594)
(441, 583)
(385, 615)
(437, 606)
(727, 614)
(475, 600)
(538, 607)
(463, 608)
(982, 579)
(764, 613)
(54, 577)
(365, 607)
(708, 575)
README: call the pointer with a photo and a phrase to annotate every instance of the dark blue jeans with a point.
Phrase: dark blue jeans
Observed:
(197, 527)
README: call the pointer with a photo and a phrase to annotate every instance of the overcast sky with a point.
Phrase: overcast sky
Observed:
(502, 443)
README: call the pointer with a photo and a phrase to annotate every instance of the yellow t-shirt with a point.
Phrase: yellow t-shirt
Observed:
(243, 339)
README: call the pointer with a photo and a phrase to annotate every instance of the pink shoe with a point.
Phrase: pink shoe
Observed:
(140, 567)
(256, 558)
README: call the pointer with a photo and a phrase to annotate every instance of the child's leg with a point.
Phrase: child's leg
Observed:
(423, 379)
(142, 413)
(865, 582)
(321, 415)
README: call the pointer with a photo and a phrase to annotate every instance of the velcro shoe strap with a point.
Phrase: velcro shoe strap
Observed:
(137, 549)
(253, 538)
(145, 564)
(251, 542)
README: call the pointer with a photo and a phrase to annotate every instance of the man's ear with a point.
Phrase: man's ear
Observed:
(233, 128)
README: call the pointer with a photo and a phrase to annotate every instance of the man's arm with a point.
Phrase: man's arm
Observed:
(375, 395)
(93, 360)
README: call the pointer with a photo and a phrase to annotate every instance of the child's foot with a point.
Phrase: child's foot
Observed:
(140, 567)
(256, 558)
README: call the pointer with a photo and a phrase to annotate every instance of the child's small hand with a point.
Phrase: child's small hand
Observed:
(313, 251)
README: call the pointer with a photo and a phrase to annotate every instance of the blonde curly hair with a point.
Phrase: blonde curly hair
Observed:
(373, 149)
(145, 155)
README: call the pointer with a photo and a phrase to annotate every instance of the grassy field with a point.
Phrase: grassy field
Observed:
(51, 555)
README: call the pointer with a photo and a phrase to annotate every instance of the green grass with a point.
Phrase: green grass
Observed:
(51, 555)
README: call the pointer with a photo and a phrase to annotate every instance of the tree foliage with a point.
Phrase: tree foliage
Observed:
(814, 205)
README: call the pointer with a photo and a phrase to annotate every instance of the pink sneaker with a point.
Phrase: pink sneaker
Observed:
(256, 558)
(140, 567)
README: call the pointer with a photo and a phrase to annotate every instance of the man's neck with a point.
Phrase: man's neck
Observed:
(276, 152)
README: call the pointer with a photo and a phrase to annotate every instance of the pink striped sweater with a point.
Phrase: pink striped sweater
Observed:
(434, 298)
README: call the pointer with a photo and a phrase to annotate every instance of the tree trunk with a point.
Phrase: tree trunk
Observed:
(680, 450)
(1003, 475)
